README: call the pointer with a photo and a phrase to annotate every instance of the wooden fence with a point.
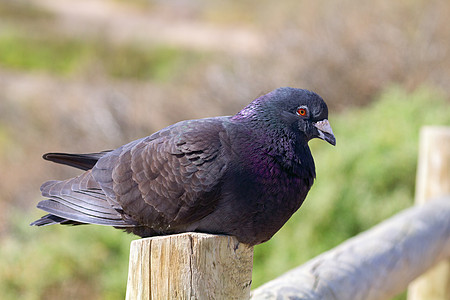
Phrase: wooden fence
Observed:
(376, 264)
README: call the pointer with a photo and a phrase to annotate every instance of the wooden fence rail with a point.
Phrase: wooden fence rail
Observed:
(376, 264)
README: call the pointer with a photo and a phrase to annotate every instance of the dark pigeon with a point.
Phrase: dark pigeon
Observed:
(241, 175)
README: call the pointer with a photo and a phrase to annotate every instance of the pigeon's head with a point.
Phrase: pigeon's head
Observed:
(297, 109)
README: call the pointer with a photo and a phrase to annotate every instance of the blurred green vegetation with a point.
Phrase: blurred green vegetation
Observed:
(86, 78)
(159, 63)
(366, 178)
(48, 54)
(53, 263)
(66, 56)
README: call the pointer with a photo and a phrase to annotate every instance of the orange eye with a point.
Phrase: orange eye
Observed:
(301, 112)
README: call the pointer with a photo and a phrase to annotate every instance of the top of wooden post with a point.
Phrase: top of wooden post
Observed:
(190, 266)
(433, 170)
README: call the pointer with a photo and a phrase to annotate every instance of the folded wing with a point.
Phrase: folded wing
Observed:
(163, 182)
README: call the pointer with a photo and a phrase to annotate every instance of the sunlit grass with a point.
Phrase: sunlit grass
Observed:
(86, 262)
(65, 56)
(30, 53)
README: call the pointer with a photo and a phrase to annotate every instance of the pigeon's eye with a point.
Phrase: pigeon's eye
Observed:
(302, 111)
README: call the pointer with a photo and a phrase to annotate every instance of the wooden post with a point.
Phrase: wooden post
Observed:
(189, 266)
(433, 180)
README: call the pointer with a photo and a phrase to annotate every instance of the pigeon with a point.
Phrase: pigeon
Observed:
(242, 175)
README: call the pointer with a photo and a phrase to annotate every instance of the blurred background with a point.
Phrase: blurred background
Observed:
(91, 75)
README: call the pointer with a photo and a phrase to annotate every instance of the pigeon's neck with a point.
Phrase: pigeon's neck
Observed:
(252, 111)
(245, 115)
(277, 146)
(293, 154)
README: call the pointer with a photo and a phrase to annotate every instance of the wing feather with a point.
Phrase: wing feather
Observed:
(169, 179)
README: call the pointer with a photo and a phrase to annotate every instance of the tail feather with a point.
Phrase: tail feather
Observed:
(81, 161)
(61, 210)
(79, 200)
(52, 219)
(85, 207)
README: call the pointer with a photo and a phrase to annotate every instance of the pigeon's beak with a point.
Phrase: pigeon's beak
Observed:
(325, 131)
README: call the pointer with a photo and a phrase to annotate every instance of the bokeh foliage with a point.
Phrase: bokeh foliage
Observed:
(70, 56)
(76, 84)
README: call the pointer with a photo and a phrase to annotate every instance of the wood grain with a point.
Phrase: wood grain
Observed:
(189, 266)
(433, 180)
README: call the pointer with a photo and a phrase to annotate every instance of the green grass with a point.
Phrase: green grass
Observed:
(70, 57)
(57, 56)
(158, 63)
(367, 177)
(73, 263)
